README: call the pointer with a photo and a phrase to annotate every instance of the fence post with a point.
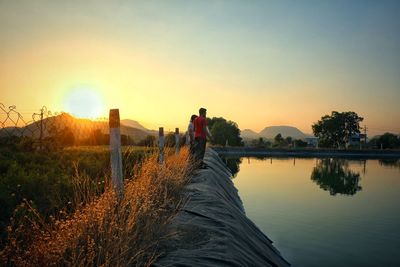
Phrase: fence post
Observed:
(41, 130)
(177, 143)
(115, 151)
(161, 144)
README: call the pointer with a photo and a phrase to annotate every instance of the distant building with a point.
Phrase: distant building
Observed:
(356, 139)
(312, 141)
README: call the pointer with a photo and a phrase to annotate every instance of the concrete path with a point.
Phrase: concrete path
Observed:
(214, 228)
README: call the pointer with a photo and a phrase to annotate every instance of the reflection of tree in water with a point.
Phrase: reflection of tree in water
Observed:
(335, 176)
(233, 165)
(395, 163)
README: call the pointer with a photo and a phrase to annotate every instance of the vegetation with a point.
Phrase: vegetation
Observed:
(97, 229)
(300, 143)
(224, 132)
(170, 141)
(278, 142)
(149, 141)
(106, 231)
(335, 176)
(49, 179)
(335, 130)
(261, 143)
(385, 141)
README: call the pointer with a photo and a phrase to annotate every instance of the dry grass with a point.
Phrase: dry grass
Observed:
(106, 231)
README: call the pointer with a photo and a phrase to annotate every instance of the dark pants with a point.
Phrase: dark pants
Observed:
(199, 149)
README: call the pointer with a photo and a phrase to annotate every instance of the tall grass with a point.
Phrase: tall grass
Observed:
(106, 231)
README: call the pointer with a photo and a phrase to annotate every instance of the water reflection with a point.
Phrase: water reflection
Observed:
(310, 226)
(395, 163)
(335, 176)
(233, 165)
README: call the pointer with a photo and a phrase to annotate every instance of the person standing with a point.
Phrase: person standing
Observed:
(190, 134)
(201, 132)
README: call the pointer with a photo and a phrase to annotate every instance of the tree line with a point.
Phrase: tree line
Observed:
(333, 131)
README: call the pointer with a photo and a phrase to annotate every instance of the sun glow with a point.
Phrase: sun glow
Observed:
(84, 103)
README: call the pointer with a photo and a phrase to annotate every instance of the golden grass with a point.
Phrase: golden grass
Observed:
(106, 231)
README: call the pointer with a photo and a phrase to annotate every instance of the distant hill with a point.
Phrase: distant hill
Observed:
(271, 131)
(82, 128)
(133, 124)
(249, 134)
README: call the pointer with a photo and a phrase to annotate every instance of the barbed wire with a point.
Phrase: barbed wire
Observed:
(45, 126)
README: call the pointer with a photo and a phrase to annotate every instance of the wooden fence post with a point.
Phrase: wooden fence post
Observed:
(115, 151)
(161, 144)
(177, 143)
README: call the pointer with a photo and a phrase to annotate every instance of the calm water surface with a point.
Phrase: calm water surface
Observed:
(325, 212)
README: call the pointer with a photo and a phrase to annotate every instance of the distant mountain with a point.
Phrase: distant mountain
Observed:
(133, 124)
(249, 134)
(82, 128)
(136, 125)
(271, 131)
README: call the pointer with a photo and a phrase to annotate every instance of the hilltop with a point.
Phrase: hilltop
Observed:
(271, 131)
(81, 128)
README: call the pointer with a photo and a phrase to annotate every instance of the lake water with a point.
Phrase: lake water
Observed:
(325, 212)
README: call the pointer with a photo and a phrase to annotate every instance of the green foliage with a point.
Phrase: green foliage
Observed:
(334, 175)
(260, 142)
(288, 140)
(233, 164)
(149, 141)
(300, 143)
(169, 140)
(59, 138)
(386, 141)
(335, 130)
(279, 141)
(98, 138)
(40, 177)
(47, 179)
(224, 131)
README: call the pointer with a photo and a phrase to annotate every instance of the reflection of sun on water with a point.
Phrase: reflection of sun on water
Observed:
(84, 103)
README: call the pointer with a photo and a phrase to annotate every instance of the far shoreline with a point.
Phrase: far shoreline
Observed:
(306, 152)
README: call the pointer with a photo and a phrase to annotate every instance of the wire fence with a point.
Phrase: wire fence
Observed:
(52, 130)
(45, 128)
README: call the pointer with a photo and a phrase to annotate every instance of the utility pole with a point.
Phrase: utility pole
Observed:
(365, 136)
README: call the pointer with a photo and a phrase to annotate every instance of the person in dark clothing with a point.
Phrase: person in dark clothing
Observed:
(201, 132)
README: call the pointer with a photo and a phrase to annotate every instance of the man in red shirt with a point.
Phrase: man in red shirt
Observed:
(200, 136)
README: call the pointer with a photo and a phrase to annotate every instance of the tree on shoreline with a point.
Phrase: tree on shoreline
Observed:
(336, 130)
(224, 132)
(386, 141)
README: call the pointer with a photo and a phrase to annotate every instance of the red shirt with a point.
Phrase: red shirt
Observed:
(199, 123)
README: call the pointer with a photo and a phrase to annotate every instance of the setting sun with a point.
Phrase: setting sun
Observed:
(84, 103)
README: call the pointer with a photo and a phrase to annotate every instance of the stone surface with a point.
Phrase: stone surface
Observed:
(213, 228)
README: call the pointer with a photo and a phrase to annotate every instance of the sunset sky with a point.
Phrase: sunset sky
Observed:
(258, 63)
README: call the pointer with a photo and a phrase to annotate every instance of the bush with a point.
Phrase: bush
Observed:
(51, 180)
(106, 231)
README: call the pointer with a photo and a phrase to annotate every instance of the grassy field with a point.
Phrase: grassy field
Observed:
(56, 206)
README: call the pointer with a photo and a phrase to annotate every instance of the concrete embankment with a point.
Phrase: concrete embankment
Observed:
(318, 153)
(213, 227)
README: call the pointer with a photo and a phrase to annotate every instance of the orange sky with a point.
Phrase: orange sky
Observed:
(159, 65)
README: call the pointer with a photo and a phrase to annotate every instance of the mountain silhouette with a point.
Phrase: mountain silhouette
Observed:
(249, 134)
(82, 128)
(133, 124)
(271, 131)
